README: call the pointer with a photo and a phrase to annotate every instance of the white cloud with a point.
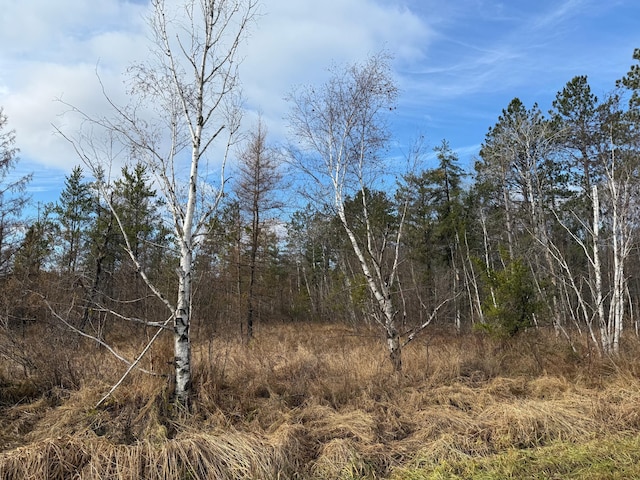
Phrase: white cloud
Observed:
(453, 58)
(34, 109)
(44, 29)
(295, 42)
(53, 49)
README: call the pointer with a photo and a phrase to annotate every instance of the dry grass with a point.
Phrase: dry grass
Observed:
(222, 455)
(310, 401)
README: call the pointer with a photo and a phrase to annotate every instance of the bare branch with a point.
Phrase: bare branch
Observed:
(91, 337)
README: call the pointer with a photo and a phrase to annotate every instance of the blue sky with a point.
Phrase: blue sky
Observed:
(458, 62)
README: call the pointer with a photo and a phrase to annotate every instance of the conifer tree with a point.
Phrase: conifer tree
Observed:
(74, 211)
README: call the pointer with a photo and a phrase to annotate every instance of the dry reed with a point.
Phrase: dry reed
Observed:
(312, 401)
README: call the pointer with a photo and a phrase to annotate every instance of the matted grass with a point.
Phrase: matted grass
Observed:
(611, 458)
(226, 455)
(320, 401)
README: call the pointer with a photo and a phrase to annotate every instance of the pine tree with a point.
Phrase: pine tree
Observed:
(75, 212)
(12, 196)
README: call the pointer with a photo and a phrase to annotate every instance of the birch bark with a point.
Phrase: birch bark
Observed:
(183, 113)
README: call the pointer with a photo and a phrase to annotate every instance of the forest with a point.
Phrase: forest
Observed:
(322, 309)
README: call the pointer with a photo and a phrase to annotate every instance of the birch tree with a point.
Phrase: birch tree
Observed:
(603, 167)
(622, 189)
(518, 156)
(183, 115)
(340, 128)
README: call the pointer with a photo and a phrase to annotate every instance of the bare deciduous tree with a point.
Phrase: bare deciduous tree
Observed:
(183, 116)
(340, 127)
(258, 178)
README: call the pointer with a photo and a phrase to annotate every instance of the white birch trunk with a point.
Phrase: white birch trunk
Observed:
(190, 77)
(605, 337)
(616, 307)
(381, 292)
(508, 220)
(619, 190)
(182, 322)
(203, 90)
(471, 278)
(341, 124)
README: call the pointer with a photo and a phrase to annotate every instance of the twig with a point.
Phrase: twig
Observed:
(132, 366)
(102, 342)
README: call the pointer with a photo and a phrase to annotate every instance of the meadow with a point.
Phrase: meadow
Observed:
(320, 401)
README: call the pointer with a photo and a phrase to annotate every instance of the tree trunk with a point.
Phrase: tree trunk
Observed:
(255, 238)
(182, 339)
(252, 279)
(395, 352)
(598, 293)
(182, 343)
(381, 292)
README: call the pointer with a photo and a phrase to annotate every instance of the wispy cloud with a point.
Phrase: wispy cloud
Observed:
(557, 15)
(56, 47)
(458, 63)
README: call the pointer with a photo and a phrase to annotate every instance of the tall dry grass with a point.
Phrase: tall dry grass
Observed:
(309, 401)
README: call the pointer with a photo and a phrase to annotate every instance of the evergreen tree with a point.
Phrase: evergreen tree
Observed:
(516, 174)
(435, 208)
(515, 301)
(34, 250)
(314, 250)
(12, 196)
(74, 211)
(135, 203)
(435, 223)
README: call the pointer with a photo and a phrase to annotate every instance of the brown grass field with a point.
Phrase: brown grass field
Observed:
(319, 401)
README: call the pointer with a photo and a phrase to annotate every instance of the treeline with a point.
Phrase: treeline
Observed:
(540, 233)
